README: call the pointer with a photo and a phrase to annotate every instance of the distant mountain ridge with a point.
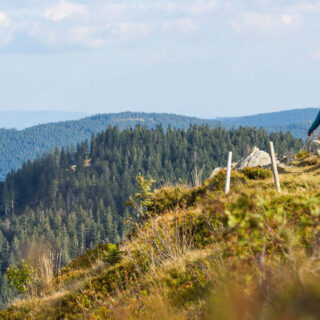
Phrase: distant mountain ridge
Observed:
(22, 119)
(295, 120)
(17, 146)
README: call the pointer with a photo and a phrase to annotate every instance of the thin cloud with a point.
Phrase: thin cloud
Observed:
(185, 25)
(85, 36)
(5, 30)
(315, 55)
(98, 23)
(4, 20)
(106, 23)
(113, 10)
(64, 9)
(267, 23)
(305, 7)
(195, 8)
(166, 58)
(130, 30)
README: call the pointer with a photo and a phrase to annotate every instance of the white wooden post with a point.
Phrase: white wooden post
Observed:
(227, 189)
(274, 167)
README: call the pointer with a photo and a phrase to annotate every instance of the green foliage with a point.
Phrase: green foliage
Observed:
(111, 255)
(218, 181)
(307, 160)
(243, 216)
(251, 254)
(189, 285)
(302, 154)
(256, 173)
(19, 277)
(142, 199)
(171, 198)
(86, 260)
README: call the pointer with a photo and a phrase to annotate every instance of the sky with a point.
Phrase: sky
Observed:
(204, 58)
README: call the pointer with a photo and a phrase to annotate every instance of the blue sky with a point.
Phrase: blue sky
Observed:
(204, 58)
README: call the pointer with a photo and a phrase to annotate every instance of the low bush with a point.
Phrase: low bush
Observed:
(111, 254)
(19, 277)
(302, 154)
(256, 173)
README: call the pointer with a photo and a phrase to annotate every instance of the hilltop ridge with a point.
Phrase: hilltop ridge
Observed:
(18, 146)
(199, 254)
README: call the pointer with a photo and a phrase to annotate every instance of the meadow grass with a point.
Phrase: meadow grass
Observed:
(253, 254)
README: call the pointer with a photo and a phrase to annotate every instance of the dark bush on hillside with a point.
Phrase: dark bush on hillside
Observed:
(112, 254)
(256, 173)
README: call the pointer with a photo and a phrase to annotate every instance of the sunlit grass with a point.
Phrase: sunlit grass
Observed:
(254, 254)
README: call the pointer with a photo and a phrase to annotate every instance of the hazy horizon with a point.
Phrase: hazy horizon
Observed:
(88, 113)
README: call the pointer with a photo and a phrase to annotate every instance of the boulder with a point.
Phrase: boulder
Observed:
(314, 147)
(256, 158)
(286, 161)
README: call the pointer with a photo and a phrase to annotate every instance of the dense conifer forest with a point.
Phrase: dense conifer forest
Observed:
(73, 198)
(16, 146)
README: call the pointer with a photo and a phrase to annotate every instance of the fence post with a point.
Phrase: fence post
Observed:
(274, 167)
(227, 189)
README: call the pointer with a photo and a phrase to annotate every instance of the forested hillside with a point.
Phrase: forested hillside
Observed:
(16, 147)
(71, 199)
(296, 121)
(198, 254)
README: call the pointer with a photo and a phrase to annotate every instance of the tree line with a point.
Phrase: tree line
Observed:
(16, 146)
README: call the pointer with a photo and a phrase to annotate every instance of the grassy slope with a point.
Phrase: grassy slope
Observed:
(253, 254)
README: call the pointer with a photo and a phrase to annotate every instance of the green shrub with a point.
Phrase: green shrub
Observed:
(256, 173)
(302, 154)
(142, 199)
(219, 180)
(175, 197)
(187, 286)
(111, 255)
(85, 261)
(19, 277)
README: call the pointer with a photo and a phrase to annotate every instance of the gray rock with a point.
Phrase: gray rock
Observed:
(285, 161)
(256, 158)
(314, 147)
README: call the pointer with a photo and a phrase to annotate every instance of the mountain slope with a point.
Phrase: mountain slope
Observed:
(199, 254)
(16, 147)
(69, 200)
(296, 121)
(293, 116)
